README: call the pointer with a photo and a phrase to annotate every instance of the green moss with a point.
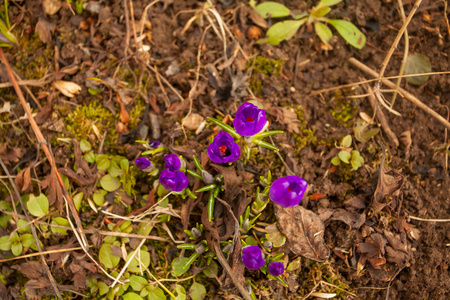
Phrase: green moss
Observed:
(263, 65)
(136, 113)
(344, 109)
(306, 136)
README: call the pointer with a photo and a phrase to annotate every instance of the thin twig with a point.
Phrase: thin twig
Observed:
(429, 220)
(407, 95)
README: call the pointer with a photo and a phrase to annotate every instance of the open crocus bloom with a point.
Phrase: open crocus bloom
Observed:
(173, 162)
(144, 164)
(223, 149)
(249, 120)
(288, 191)
(252, 257)
(174, 181)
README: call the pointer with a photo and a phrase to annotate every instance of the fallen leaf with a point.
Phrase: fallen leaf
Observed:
(290, 119)
(51, 7)
(192, 121)
(31, 269)
(352, 219)
(304, 231)
(23, 180)
(67, 88)
(45, 30)
(6, 107)
(13, 155)
(44, 114)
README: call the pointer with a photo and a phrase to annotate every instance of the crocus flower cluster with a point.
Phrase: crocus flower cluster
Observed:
(172, 179)
(249, 120)
(253, 260)
(288, 191)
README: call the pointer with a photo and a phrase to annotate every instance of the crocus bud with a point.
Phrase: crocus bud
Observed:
(207, 177)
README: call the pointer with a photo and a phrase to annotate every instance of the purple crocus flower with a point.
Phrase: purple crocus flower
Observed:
(144, 164)
(276, 268)
(174, 181)
(173, 162)
(252, 257)
(249, 120)
(288, 191)
(154, 144)
(223, 149)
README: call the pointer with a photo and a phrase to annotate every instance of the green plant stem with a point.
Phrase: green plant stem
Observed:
(198, 164)
(211, 201)
(191, 260)
(194, 174)
(206, 188)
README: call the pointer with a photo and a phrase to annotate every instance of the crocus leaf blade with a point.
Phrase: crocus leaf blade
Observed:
(350, 33)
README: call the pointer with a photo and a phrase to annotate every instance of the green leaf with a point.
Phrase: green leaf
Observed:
(177, 266)
(197, 291)
(294, 265)
(99, 197)
(212, 270)
(275, 236)
(323, 32)
(179, 292)
(350, 33)
(347, 141)
(23, 223)
(272, 9)
(357, 160)
(27, 240)
(77, 199)
(225, 127)
(109, 183)
(283, 31)
(265, 144)
(320, 12)
(336, 161)
(107, 258)
(131, 296)
(38, 206)
(155, 293)
(5, 243)
(90, 157)
(16, 248)
(124, 165)
(103, 164)
(103, 288)
(85, 146)
(344, 156)
(144, 257)
(416, 64)
(137, 282)
(114, 170)
(324, 3)
(59, 221)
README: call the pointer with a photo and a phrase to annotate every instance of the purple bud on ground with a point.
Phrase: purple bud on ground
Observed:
(154, 144)
(276, 268)
(207, 177)
(288, 191)
(174, 181)
(249, 120)
(252, 257)
(144, 164)
(223, 149)
(173, 162)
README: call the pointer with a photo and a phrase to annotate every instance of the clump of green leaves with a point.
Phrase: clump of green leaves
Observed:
(316, 16)
(7, 39)
(347, 155)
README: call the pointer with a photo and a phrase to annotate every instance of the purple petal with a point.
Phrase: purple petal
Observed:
(154, 144)
(223, 149)
(288, 191)
(173, 162)
(249, 119)
(252, 257)
(143, 163)
(276, 268)
(175, 181)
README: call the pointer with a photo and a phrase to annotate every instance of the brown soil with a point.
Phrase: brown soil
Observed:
(420, 270)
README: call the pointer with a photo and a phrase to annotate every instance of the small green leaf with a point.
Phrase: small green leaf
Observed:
(265, 145)
(155, 293)
(103, 288)
(38, 206)
(197, 291)
(144, 257)
(137, 282)
(22, 224)
(416, 64)
(109, 183)
(325, 3)
(5, 243)
(77, 199)
(350, 33)
(294, 265)
(131, 296)
(114, 170)
(272, 9)
(357, 160)
(336, 161)
(27, 240)
(275, 236)
(177, 266)
(179, 292)
(320, 12)
(124, 165)
(85, 146)
(94, 92)
(347, 141)
(107, 258)
(103, 164)
(99, 197)
(344, 156)
(16, 248)
(225, 127)
(323, 32)
(212, 270)
(59, 221)
(283, 31)
(90, 157)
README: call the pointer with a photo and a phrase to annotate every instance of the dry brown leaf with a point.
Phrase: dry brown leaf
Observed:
(31, 269)
(291, 119)
(51, 7)
(23, 180)
(45, 30)
(304, 231)
(192, 121)
(352, 219)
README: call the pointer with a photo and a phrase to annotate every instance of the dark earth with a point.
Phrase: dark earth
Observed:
(378, 235)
